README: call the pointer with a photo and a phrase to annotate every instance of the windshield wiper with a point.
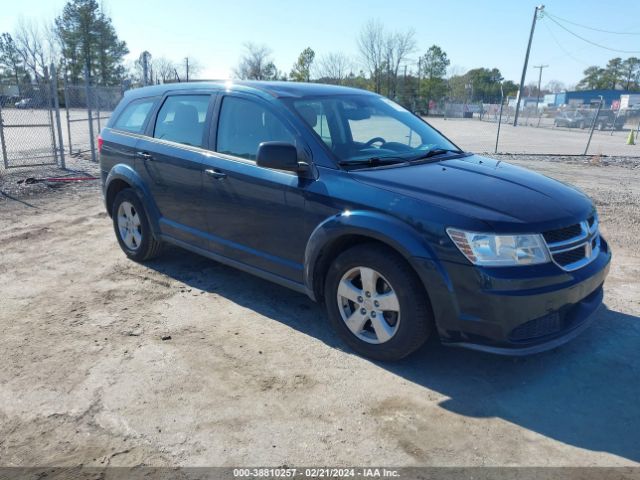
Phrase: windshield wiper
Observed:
(373, 161)
(434, 152)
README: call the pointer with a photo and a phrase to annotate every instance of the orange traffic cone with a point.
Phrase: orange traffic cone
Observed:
(631, 139)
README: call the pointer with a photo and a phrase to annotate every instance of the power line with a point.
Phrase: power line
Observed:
(589, 41)
(591, 28)
(561, 47)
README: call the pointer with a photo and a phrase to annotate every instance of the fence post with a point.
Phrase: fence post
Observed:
(4, 146)
(98, 108)
(615, 121)
(56, 103)
(66, 107)
(593, 125)
(49, 92)
(499, 117)
(87, 89)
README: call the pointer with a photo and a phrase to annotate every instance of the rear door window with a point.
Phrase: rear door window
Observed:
(134, 115)
(181, 119)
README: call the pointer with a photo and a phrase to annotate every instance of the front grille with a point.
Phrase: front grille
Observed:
(570, 256)
(540, 327)
(563, 234)
(574, 246)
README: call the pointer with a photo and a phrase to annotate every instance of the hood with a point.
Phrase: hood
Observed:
(502, 195)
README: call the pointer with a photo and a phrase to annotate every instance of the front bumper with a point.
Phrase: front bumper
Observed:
(516, 310)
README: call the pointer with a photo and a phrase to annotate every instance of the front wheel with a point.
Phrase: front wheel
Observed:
(132, 227)
(376, 303)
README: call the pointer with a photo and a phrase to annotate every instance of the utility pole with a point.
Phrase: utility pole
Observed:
(416, 95)
(538, 9)
(540, 67)
(186, 59)
(145, 68)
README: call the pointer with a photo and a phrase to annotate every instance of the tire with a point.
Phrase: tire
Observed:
(404, 331)
(128, 213)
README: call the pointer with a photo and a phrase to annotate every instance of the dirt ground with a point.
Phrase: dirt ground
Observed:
(185, 362)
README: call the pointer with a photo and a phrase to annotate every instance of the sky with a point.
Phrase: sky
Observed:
(474, 33)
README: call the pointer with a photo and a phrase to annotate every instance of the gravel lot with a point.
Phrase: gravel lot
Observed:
(480, 136)
(249, 373)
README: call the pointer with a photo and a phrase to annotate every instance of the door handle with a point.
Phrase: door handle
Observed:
(144, 155)
(213, 173)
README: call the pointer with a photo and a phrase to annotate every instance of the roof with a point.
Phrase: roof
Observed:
(274, 89)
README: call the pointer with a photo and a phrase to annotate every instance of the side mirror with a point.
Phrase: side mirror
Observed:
(279, 156)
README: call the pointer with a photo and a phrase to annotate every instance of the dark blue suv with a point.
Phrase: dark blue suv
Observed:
(348, 197)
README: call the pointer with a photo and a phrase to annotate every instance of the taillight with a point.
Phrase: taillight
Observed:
(100, 142)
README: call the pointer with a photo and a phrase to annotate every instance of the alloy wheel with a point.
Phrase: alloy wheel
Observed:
(368, 305)
(129, 226)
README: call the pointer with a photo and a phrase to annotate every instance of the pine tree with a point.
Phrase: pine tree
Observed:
(301, 71)
(10, 60)
(89, 40)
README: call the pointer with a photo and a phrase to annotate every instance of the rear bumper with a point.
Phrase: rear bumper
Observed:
(514, 311)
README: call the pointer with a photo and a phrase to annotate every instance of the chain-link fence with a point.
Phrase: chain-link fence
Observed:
(86, 115)
(28, 125)
(40, 123)
(39, 128)
(564, 130)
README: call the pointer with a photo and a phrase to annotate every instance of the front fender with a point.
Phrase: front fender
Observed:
(378, 226)
(127, 174)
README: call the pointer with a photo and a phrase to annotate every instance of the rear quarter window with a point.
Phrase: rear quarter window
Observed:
(133, 117)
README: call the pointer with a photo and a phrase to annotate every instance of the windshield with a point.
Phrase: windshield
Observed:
(365, 127)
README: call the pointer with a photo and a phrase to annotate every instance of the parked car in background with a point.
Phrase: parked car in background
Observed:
(570, 119)
(583, 118)
(607, 119)
(351, 199)
(25, 103)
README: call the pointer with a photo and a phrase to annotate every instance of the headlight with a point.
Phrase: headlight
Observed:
(500, 250)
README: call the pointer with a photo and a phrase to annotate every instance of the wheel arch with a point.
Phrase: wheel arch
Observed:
(343, 231)
(124, 176)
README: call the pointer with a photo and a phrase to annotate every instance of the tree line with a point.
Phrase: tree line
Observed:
(82, 39)
(617, 74)
(388, 63)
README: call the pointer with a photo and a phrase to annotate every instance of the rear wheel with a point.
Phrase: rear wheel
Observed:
(376, 303)
(132, 227)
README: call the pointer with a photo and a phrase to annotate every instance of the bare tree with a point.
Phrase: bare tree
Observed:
(371, 44)
(383, 52)
(398, 46)
(333, 67)
(256, 63)
(164, 69)
(192, 64)
(555, 86)
(32, 48)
